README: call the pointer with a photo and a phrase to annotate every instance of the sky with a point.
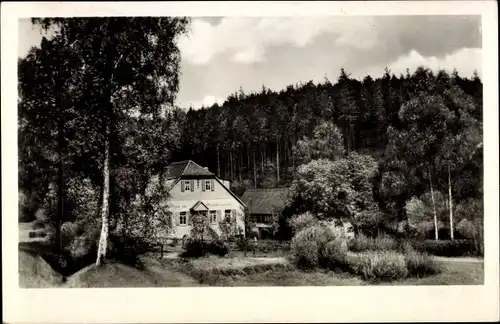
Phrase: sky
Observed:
(222, 54)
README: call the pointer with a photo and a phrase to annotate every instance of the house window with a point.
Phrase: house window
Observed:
(213, 216)
(183, 218)
(208, 185)
(187, 185)
(227, 214)
(197, 183)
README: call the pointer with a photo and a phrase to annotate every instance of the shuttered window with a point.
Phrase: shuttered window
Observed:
(187, 185)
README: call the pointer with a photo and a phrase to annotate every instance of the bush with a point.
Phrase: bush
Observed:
(198, 248)
(447, 248)
(307, 245)
(420, 264)
(334, 255)
(379, 266)
(302, 221)
(362, 243)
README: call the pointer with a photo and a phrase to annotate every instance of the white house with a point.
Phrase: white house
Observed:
(194, 189)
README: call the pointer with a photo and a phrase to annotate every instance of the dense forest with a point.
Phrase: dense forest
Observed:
(409, 124)
(97, 125)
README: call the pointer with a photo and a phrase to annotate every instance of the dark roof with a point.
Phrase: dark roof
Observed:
(266, 201)
(186, 168)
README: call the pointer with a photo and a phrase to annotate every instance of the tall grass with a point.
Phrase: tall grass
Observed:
(419, 264)
(374, 259)
(362, 243)
(379, 266)
(205, 271)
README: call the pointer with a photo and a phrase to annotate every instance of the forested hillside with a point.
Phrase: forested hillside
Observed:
(421, 128)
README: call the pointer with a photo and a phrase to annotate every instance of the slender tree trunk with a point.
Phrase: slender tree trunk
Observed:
(287, 159)
(60, 186)
(218, 162)
(248, 159)
(451, 204)
(231, 169)
(436, 235)
(239, 164)
(262, 159)
(254, 170)
(103, 241)
(266, 147)
(277, 161)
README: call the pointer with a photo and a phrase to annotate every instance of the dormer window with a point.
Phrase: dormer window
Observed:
(187, 185)
(208, 185)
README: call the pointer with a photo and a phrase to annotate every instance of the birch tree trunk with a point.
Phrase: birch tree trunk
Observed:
(218, 162)
(254, 170)
(278, 161)
(450, 204)
(436, 234)
(60, 186)
(239, 164)
(103, 240)
(231, 168)
(262, 159)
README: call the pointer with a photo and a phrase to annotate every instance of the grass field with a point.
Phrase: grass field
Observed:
(235, 271)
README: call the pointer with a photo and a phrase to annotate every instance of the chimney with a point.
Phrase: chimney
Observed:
(206, 168)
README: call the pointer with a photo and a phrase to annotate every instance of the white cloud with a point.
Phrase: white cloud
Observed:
(207, 101)
(465, 60)
(246, 39)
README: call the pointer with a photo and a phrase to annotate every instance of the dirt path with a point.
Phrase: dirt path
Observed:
(459, 259)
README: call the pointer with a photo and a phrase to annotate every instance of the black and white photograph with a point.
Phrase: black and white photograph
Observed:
(251, 151)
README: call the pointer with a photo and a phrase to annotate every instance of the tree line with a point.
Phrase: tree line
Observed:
(92, 132)
(423, 131)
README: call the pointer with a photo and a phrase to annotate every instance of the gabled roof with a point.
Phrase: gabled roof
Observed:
(266, 201)
(189, 169)
(199, 206)
(186, 168)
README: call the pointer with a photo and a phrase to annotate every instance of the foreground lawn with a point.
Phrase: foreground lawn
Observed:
(227, 272)
(249, 271)
(453, 273)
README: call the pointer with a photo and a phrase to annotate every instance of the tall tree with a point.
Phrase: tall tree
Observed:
(132, 60)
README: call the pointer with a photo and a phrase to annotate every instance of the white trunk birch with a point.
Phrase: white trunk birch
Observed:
(436, 233)
(103, 240)
(450, 204)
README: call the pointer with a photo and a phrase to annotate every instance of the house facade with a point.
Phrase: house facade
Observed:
(194, 189)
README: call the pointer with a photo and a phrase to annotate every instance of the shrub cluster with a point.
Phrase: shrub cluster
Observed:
(362, 243)
(302, 221)
(448, 248)
(379, 265)
(376, 259)
(213, 275)
(420, 264)
(308, 246)
(198, 248)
